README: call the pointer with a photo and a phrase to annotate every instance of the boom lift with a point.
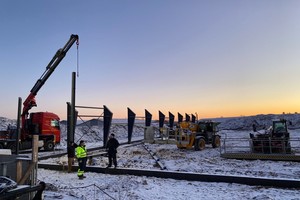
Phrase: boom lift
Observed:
(45, 124)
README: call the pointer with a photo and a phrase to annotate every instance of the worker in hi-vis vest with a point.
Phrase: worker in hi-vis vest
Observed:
(81, 156)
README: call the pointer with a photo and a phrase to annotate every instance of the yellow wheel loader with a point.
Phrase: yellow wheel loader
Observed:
(196, 135)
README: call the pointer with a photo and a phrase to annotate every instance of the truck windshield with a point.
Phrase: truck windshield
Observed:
(55, 123)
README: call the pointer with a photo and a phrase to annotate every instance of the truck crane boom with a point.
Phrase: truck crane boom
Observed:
(57, 58)
(45, 124)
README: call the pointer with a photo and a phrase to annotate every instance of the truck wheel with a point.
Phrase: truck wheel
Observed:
(12, 147)
(49, 146)
(216, 142)
(199, 144)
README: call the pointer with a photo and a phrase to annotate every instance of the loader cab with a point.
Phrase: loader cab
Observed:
(208, 126)
(280, 128)
(209, 131)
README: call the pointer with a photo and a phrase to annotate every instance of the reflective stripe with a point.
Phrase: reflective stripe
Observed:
(80, 173)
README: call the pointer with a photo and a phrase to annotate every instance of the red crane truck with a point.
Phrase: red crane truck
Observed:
(45, 124)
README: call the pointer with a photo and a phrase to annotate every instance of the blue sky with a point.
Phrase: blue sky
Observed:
(216, 58)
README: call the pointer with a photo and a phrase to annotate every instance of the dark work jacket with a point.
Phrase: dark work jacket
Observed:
(112, 145)
(71, 151)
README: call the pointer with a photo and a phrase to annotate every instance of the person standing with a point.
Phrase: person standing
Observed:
(111, 146)
(71, 155)
(81, 154)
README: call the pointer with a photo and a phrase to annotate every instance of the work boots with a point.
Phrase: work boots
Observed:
(81, 177)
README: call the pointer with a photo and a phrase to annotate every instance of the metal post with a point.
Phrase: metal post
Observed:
(107, 123)
(171, 120)
(187, 117)
(35, 149)
(130, 122)
(193, 118)
(18, 125)
(72, 128)
(161, 119)
(148, 118)
(69, 124)
(180, 118)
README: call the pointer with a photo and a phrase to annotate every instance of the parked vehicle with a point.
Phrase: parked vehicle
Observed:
(275, 140)
(197, 135)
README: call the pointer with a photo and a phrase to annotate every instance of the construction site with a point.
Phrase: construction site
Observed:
(151, 155)
(163, 148)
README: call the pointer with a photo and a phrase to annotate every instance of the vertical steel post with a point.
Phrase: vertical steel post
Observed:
(161, 119)
(69, 124)
(73, 120)
(193, 118)
(107, 123)
(187, 117)
(130, 122)
(180, 118)
(148, 118)
(171, 120)
(18, 125)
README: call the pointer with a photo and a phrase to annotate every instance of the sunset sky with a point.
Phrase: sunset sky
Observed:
(210, 57)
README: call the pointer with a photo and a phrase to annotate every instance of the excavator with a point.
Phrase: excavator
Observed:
(197, 135)
(45, 124)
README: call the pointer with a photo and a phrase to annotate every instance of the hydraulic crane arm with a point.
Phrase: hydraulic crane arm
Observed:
(57, 58)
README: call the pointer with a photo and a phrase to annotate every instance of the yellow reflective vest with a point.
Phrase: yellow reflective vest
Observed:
(81, 152)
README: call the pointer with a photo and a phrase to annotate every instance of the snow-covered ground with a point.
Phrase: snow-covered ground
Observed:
(63, 185)
(67, 186)
(208, 161)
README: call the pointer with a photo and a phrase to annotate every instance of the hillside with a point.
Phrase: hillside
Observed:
(92, 131)
(230, 123)
(261, 121)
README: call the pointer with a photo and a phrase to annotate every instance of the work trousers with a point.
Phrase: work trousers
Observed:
(112, 158)
(81, 165)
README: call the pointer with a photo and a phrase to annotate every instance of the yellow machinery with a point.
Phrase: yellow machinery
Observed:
(197, 135)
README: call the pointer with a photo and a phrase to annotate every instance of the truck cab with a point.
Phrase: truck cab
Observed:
(46, 125)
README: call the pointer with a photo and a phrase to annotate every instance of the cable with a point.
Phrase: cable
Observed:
(104, 192)
(77, 43)
(86, 186)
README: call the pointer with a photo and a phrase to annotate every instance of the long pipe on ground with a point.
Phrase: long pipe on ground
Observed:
(188, 176)
(157, 159)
